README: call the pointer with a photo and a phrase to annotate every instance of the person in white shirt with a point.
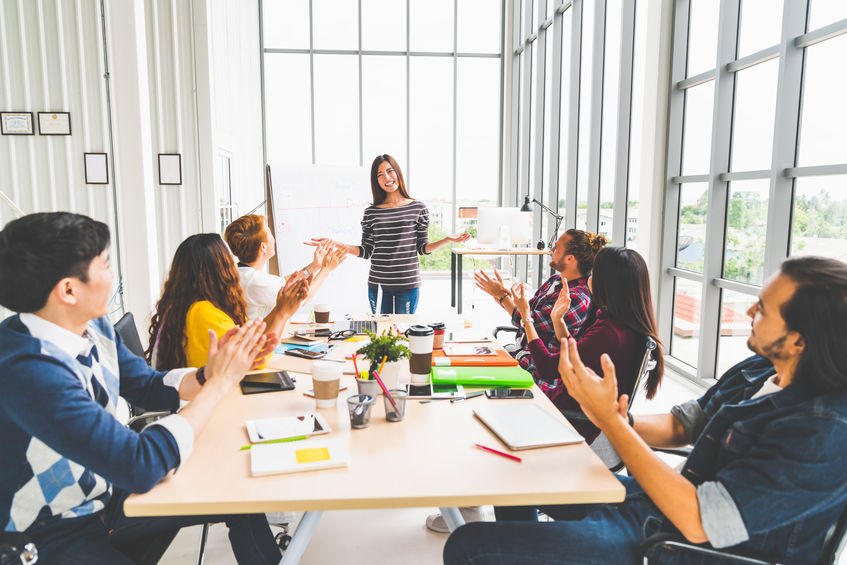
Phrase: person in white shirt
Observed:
(253, 243)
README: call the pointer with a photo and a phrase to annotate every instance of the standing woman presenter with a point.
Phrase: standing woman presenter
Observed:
(394, 232)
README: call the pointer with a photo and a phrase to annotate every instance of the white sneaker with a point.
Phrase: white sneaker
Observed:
(436, 523)
(281, 518)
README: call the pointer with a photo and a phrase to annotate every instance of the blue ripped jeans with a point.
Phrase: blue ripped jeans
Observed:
(394, 301)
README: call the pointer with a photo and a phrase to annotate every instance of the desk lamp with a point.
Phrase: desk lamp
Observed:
(528, 208)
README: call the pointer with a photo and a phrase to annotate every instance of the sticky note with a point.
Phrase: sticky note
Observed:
(312, 455)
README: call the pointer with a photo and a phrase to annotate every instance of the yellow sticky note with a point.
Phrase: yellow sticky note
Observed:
(312, 455)
(357, 338)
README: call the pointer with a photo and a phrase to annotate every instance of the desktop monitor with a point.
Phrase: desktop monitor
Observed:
(503, 227)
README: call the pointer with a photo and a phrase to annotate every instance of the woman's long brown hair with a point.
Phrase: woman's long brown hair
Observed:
(378, 193)
(621, 286)
(202, 269)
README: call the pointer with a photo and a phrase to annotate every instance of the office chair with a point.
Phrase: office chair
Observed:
(16, 548)
(657, 545)
(141, 419)
(601, 445)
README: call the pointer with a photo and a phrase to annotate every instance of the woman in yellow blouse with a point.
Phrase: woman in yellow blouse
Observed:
(203, 293)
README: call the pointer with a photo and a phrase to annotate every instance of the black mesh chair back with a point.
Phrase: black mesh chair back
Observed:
(129, 334)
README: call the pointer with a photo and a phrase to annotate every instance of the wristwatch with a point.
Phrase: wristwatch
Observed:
(200, 375)
(305, 271)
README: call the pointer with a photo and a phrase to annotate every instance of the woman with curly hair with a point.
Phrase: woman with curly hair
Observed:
(203, 293)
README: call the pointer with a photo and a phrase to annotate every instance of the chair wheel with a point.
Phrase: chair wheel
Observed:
(282, 540)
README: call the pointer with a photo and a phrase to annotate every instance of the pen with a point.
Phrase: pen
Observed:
(467, 396)
(246, 447)
(495, 452)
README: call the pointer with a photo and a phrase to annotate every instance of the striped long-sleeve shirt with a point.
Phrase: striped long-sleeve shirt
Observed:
(392, 238)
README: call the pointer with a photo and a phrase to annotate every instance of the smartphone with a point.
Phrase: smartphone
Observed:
(508, 393)
(305, 353)
(267, 382)
(270, 429)
(434, 392)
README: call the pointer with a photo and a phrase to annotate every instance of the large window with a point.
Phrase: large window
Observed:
(347, 80)
(757, 163)
(572, 99)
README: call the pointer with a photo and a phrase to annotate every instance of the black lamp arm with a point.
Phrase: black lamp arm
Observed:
(557, 216)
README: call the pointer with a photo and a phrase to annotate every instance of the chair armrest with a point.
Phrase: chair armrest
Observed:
(138, 423)
(681, 451)
(654, 545)
(509, 329)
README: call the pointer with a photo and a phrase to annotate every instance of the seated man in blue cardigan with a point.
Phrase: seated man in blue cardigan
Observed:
(766, 474)
(68, 463)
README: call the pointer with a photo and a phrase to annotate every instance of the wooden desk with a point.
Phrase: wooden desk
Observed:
(426, 460)
(457, 256)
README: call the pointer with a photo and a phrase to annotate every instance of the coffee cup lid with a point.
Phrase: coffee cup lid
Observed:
(419, 331)
(437, 325)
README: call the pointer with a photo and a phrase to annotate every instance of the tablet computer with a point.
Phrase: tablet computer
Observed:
(267, 382)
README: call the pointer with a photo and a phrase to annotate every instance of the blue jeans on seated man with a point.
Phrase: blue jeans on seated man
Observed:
(581, 534)
(394, 301)
(111, 538)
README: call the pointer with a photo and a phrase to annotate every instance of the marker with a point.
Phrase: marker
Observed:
(246, 447)
(500, 453)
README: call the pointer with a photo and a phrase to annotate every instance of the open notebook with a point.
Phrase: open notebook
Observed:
(526, 425)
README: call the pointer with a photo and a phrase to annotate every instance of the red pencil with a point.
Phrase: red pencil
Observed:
(356, 367)
(494, 451)
(385, 392)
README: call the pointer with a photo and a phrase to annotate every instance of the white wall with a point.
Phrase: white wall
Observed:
(169, 61)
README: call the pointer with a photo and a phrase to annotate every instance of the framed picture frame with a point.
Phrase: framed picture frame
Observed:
(170, 168)
(16, 123)
(96, 168)
(54, 123)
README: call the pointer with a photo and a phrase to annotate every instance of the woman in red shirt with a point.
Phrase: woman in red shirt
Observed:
(620, 290)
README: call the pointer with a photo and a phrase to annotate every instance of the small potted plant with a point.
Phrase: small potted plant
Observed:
(390, 346)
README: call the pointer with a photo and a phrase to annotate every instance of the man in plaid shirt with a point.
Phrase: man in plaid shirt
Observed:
(573, 258)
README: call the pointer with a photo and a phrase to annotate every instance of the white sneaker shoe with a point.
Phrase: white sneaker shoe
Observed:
(281, 518)
(436, 523)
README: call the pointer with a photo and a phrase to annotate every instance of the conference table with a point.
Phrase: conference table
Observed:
(457, 255)
(426, 460)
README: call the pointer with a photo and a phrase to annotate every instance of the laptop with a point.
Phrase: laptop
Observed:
(359, 326)
(526, 426)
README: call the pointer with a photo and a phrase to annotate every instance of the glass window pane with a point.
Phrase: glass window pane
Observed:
(534, 117)
(523, 130)
(638, 225)
(477, 131)
(820, 217)
(824, 12)
(478, 26)
(336, 24)
(746, 225)
(734, 329)
(431, 23)
(383, 25)
(336, 109)
(384, 107)
(548, 108)
(586, 101)
(761, 25)
(564, 109)
(823, 126)
(702, 36)
(288, 109)
(691, 238)
(685, 339)
(609, 141)
(753, 119)
(697, 134)
(431, 137)
(285, 24)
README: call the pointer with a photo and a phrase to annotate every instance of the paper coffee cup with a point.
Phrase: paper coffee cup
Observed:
(420, 344)
(326, 377)
(322, 313)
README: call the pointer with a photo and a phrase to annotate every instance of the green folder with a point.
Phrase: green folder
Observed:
(483, 377)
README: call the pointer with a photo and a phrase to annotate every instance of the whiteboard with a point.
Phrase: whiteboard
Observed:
(322, 201)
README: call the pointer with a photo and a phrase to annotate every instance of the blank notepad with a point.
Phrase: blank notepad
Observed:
(526, 425)
(296, 456)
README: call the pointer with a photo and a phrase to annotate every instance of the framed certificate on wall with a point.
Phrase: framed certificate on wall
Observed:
(16, 123)
(54, 123)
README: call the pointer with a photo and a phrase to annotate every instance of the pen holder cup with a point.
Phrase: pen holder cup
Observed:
(359, 406)
(368, 387)
(393, 414)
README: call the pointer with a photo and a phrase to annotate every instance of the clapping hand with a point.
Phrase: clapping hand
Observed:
(492, 286)
(597, 396)
(290, 296)
(518, 293)
(236, 352)
(321, 251)
(333, 258)
(563, 302)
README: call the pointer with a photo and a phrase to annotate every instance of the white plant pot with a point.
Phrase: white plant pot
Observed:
(392, 371)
